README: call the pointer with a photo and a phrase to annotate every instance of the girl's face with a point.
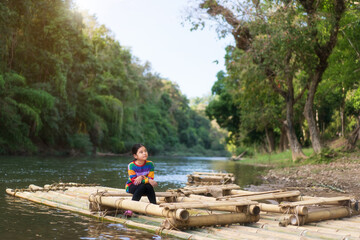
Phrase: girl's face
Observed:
(141, 154)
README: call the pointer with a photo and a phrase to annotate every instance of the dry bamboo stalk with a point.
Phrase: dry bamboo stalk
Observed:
(319, 201)
(226, 233)
(322, 230)
(122, 194)
(306, 232)
(268, 196)
(301, 210)
(203, 177)
(83, 204)
(340, 224)
(245, 193)
(141, 207)
(212, 173)
(58, 197)
(31, 197)
(220, 208)
(226, 187)
(324, 214)
(209, 220)
(204, 233)
(268, 232)
(205, 205)
(193, 197)
(341, 227)
(199, 198)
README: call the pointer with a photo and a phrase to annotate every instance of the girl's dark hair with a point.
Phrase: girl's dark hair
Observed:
(136, 147)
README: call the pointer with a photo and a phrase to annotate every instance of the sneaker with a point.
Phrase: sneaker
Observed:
(128, 213)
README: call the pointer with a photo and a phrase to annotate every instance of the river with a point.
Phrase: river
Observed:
(21, 219)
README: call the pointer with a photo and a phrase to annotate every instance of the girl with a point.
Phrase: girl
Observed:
(141, 175)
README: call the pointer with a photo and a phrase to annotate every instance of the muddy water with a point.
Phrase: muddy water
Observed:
(21, 219)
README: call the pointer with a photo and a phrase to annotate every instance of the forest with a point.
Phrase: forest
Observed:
(291, 81)
(292, 77)
(67, 87)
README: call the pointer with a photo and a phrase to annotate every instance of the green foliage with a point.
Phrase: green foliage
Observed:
(326, 156)
(281, 54)
(67, 84)
(80, 143)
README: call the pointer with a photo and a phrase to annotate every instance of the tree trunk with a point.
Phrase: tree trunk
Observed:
(270, 139)
(353, 138)
(284, 143)
(295, 146)
(309, 112)
(342, 116)
(323, 51)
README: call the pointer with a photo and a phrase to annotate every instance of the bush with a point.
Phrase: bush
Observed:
(80, 142)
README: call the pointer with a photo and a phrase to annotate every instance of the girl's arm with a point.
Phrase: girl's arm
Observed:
(150, 175)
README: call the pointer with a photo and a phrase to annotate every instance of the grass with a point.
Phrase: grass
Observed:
(281, 159)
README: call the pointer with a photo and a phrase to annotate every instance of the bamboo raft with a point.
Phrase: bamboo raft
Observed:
(209, 211)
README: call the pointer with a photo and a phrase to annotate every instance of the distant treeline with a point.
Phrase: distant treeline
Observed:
(66, 85)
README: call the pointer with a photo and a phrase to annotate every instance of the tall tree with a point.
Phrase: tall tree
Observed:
(262, 36)
(290, 40)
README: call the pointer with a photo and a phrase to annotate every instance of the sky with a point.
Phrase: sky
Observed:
(153, 30)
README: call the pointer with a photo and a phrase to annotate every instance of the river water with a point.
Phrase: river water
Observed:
(21, 219)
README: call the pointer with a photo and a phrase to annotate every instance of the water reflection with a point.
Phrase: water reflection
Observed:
(21, 219)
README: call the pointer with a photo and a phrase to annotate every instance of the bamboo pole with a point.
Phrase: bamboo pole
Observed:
(213, 178)
(336, 223)
(207, 205)
(333, 230)
(301, 210)
(198, 197)
(227, 233)
(227, 187)
(268, 232)
(319, 201)
(209, 220)
(301, 232)
(83, 204)
(141, 207)
(212, 173)
(268, 196)
(320, 215)
(248, 193)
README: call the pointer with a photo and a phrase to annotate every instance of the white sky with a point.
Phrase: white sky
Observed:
(152, 30)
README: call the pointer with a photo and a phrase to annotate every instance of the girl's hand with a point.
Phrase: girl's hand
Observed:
(152, 182)
(138, 180)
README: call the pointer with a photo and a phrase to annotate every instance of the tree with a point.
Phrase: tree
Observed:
(262, 36)
(290, 41)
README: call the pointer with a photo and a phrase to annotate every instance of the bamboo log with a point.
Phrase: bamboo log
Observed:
(323, 230)
(324, 214)
(248, 193)
(214, 178)
(301, 210)
(63, 199)
(268, 196)
(319, 201)
(234, 233)
(212, 173)
(269, 233)
(207, 205)
(209, 220)
(141, 207)
(219, 208)
(301, 232)
(227, 187)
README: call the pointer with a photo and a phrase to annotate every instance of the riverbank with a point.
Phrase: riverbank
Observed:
(338, 177)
